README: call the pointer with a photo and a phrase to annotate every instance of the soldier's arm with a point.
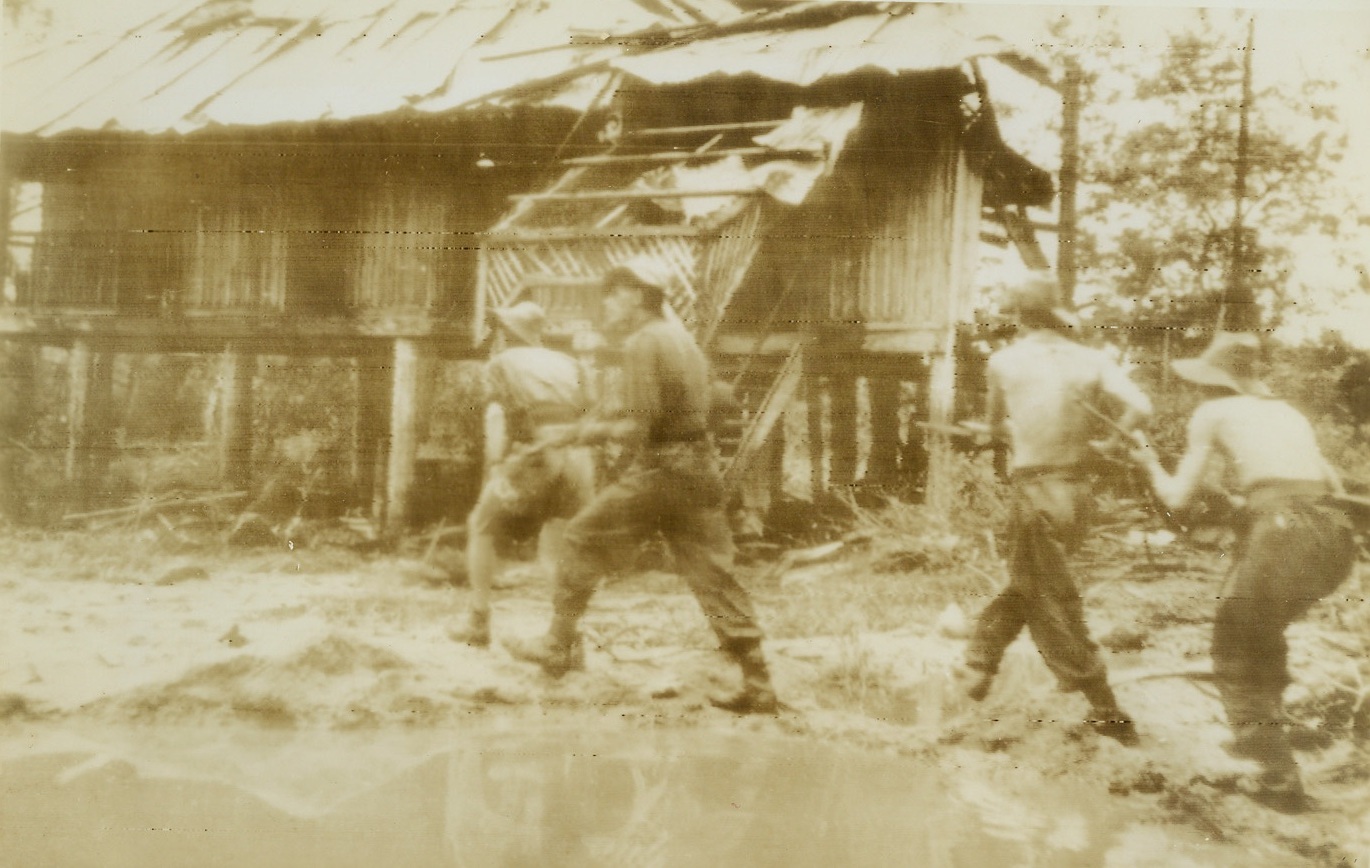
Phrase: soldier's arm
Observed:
(495, 422)
(623, 420)
(1176, 489)
(1333, 477)
(996, 408)
(1134, 404)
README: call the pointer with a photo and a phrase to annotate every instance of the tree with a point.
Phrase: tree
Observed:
(1158, 245)
(26, 20)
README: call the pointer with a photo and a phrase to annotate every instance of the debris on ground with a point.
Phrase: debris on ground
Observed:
(324, 636)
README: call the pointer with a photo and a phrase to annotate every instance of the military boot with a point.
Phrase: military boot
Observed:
(476, 630)
(1105, 717)
(560, 651)
(756, 695)
(1279, 789)
(973, 682)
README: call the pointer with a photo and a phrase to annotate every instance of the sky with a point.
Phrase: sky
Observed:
(1294, 42)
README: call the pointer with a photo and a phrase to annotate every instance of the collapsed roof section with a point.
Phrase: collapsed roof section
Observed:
(691, 176)
(691, 196)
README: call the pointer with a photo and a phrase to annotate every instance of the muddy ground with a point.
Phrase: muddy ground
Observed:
(130, 631)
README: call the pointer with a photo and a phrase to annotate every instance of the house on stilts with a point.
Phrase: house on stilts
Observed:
(367, 179)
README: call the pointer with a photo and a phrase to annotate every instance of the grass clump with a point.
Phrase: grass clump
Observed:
(897, 564)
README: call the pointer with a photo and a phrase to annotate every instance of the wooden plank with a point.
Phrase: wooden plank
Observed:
(759, 344)
(695, 154)
(516, 235)
(705, 128)
(1020, 231)
(778, 397)
(207, 332)
(616, 195)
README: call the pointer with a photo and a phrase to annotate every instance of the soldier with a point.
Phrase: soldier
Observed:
(1295, 545)
(528, 388)
(671, 487)
(1042, 388)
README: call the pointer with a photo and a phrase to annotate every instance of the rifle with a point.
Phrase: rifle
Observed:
(975, 431)
(1358, 506)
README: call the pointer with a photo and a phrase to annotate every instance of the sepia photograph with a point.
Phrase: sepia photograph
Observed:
(660, 433)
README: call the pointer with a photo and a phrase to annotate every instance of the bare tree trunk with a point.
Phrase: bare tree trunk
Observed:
(1238, 309)
(1070, 176)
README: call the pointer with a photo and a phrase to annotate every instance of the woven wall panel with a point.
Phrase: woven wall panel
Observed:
(706, 269)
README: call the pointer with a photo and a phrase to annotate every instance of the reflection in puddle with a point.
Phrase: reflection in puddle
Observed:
(546, 797)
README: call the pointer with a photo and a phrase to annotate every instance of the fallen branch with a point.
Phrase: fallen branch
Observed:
(1197, 673)
(145, 507)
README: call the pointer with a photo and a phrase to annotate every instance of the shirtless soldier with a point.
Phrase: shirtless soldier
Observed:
(1040, 388)
(671, 487)
(1295, 546)
(528, 387)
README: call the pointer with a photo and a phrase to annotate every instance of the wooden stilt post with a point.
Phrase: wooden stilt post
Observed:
(426, 388)
(17, 394)
(369, 432)
(78, 392)
(403, 434)
(775, 464)
(913, 458)
(90, 438)
(842, 387)
(941, 412)
(813, 402)
(883, 468)
(238, 370)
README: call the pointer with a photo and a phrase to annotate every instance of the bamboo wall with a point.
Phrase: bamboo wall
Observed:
(908, 258)
(887, 243)
(344, 230)
(236, 262)
(103, 246)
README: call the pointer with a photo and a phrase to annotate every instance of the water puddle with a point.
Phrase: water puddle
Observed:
(546, 797)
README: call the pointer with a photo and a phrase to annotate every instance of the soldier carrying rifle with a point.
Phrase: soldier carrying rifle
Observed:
(1296, 544)
(1041, 387)
(671, 487)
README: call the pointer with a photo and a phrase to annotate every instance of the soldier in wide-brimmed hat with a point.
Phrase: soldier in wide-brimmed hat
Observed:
(1295, 544)
(1228, 364)
(1044, 389)
(528, 387)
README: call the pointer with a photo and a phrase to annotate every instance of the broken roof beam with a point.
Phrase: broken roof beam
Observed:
(992, 215)
(590, 195)
(686, 156)
(705, 128)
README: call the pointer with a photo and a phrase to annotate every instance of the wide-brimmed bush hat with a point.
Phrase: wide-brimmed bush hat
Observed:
(525, 321)
(1041, 294)
(1229, 361)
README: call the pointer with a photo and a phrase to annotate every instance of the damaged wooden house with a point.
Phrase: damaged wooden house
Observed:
(366, 179)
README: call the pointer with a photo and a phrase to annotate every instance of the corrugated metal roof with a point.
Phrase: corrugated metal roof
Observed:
(217, 62)
(258, 62)
(904, 38)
